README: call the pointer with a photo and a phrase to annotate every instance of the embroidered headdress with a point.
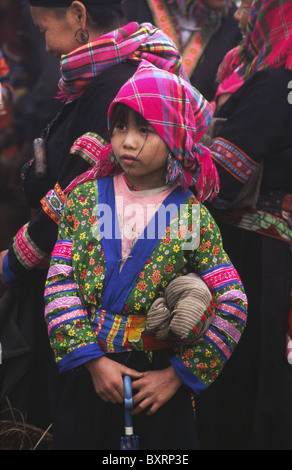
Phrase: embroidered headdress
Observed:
(268, 42)
(180, 115)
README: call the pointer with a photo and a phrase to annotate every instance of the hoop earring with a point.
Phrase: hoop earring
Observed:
(84, 36)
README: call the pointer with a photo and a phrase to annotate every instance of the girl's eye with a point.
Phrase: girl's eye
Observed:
(120, 126)
(144, 130)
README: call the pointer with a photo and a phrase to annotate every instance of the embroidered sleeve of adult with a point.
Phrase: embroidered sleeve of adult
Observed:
(71, 335)
(30, 248)
(200, 365)
(244, 144)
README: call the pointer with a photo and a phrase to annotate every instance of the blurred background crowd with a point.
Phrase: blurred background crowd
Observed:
(29, 78)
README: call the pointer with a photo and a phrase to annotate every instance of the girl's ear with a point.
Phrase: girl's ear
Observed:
(78, 10)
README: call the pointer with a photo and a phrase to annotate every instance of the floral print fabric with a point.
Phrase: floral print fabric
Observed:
(80, 328)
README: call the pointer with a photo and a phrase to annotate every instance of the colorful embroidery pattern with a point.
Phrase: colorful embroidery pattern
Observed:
(63, 250)
(237, 163)
(53, 203)
(74, 330)
(120, 333)
(27, 252)
(196, 45)
(88, 147)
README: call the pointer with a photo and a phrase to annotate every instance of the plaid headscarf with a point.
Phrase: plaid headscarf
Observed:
(133, 41)
(268, 42)
(180, 115)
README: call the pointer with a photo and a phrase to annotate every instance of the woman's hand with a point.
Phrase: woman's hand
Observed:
(107, 377)
(155, 389)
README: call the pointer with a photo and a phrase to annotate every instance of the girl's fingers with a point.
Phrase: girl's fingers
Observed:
(146, 403)
(134, 374)
(112, 395)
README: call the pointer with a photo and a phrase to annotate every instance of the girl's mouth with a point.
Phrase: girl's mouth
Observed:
(128, 159)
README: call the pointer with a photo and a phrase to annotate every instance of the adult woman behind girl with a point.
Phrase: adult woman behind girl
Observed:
(102, 282)
(203, 31)
(253, 156)
(91, 75)
(232, 82)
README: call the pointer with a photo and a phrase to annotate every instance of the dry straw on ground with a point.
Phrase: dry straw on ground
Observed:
(16, 434)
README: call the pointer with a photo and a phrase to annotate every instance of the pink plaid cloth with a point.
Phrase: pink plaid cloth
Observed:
(268, 42)
(180, 115)
(133, 42)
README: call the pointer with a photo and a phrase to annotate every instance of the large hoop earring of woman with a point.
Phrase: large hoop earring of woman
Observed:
(82, 36)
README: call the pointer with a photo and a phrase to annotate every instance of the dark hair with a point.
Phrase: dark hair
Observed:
(106, 18)
(120, 115)
(103, 19)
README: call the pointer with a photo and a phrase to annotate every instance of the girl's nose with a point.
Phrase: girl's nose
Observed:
(130, 140)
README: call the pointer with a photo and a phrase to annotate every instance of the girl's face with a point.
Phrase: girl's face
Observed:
(140, 151)
(58, 29)
(242, 15)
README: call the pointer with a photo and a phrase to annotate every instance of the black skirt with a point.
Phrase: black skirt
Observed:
(249, 406)
(83, 421)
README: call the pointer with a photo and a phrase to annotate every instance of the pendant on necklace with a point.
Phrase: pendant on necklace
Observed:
(40, 159)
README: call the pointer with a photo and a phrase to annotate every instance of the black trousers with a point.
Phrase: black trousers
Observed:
(82, 421)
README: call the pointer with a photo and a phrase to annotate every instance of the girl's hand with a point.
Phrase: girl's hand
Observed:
(107, 376)
(155, 389)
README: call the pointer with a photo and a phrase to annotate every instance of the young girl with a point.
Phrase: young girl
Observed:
(108, 267)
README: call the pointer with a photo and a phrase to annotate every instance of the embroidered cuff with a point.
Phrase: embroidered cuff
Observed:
(78, 358)
(88, 147)
(27, 252)
(187, 376)
(233, 160)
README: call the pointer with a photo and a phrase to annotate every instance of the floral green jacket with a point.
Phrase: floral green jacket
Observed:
(93, 307)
